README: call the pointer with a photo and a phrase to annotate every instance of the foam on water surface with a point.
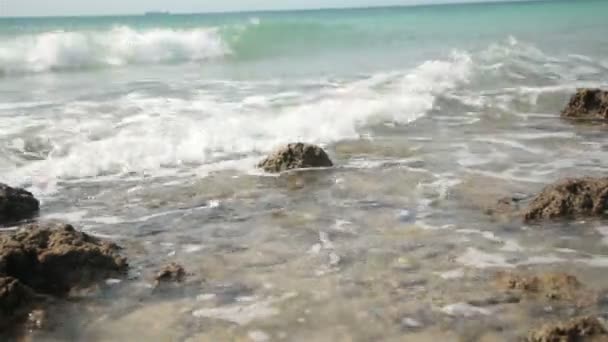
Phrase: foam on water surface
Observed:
(244, 314)
(465, 310)
(155, 135)
(476, 258)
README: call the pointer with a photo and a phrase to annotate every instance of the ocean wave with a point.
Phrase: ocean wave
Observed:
(522, 61)
(66, 50)
(254, 38)
(69, 50)
(151, 135)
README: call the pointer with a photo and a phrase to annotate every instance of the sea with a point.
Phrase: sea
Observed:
(146, 130)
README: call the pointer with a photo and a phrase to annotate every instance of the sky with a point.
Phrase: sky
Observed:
(11, 8)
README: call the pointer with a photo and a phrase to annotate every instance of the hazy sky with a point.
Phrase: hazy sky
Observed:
(75, 7)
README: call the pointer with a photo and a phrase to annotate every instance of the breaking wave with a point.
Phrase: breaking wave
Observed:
(152, 135)
(65, 50)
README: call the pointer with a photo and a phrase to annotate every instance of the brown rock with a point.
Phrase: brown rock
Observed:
(15, 299)
(16, 204)
(295, 156)
(557, 286)
(55, 258)
(575, 330)
(570, 198)
(504, 207)
(587, 104)
(496, 198)
(172, 273)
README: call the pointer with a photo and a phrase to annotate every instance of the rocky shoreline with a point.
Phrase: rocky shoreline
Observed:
(41, 263)
(566, 199)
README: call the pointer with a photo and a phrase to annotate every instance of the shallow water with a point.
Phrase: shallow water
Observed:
(158, 154)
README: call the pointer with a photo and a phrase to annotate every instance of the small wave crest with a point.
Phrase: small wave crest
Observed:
(521, 60)
(68, 50)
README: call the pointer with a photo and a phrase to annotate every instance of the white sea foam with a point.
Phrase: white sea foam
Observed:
(410, 322)
(595, 261)
(244, 314)
(118, 46)
(488, 235)
(239, 314)
(476, 258)
(453, 274)
(258, 336)
(603, 230)
(151, 135)
(511, 50)
(74, 216)
(511, 246)
(510, 144)
(464, 310)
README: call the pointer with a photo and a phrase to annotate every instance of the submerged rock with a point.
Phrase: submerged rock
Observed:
(295, 156)
(579, 197)
(16, 204)
(172, 273)
(587, 104)
(578, 329)
(496, 198)
(557, 286)
(55, 258)
(506, 207)
(15, 299)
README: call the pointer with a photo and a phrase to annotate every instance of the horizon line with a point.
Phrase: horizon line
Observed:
(170, 13)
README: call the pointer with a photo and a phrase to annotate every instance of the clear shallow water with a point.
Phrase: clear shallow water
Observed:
(146, 130)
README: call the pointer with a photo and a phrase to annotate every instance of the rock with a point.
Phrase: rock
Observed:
(15, 299)
(172, 273)
(504, 207)
(555, 286)
(570, 198)
(55, 258)
(587, 104)
(295, 156)
(575, 330)
(38, 261)
(498, 199)
(16, 204)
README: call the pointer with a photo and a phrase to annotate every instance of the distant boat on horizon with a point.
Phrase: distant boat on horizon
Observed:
(157, 13)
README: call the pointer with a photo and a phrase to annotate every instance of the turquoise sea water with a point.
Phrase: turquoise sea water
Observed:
(147, 129)
(370, 38)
